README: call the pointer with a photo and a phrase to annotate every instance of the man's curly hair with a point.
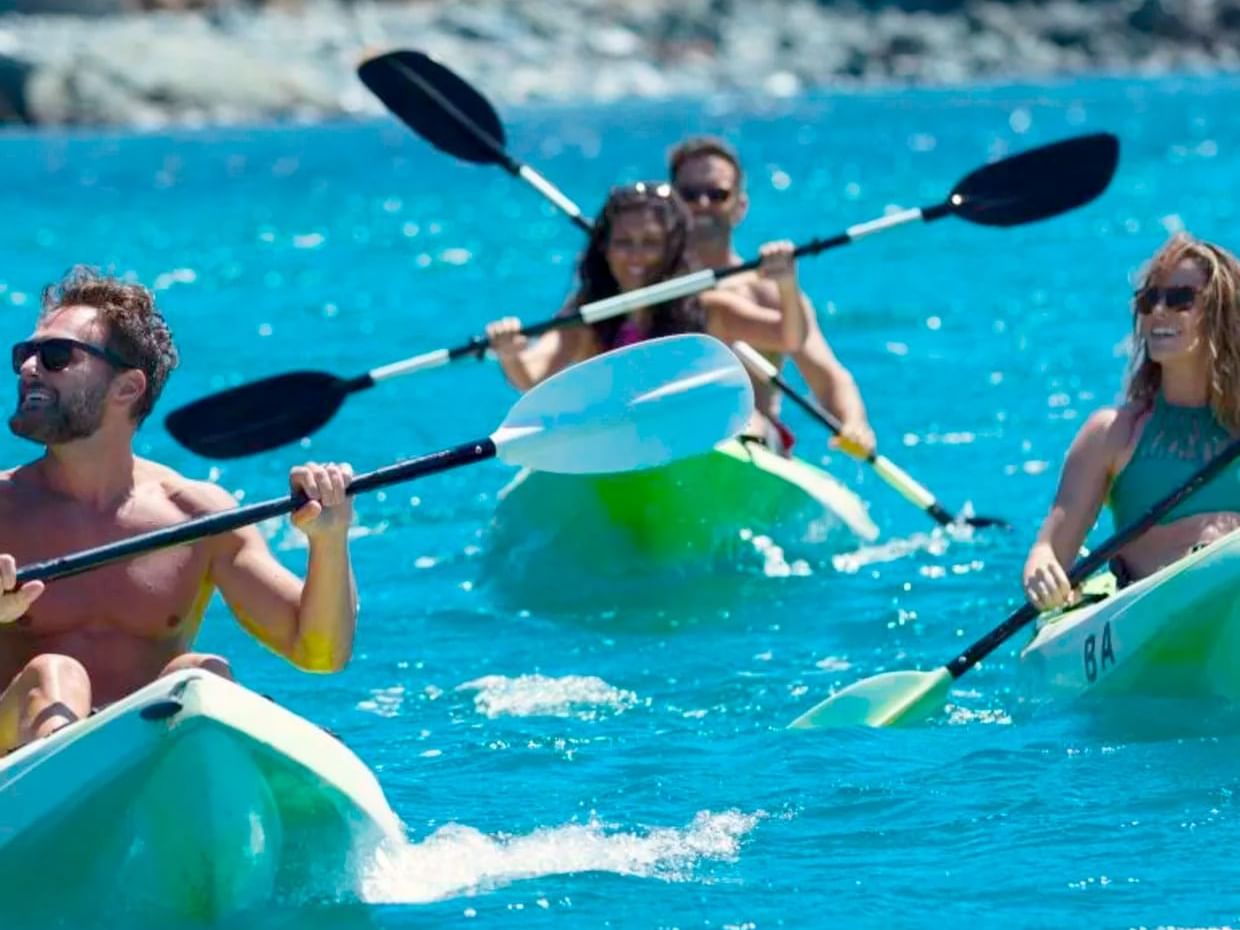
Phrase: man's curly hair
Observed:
(136, 330)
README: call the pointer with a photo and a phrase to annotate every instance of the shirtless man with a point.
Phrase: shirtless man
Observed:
(707, 174)
(87, 377)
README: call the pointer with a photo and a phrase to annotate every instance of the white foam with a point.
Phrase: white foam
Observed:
(964, 716)
(460, 860)
(852, 562)
(385, 702)
(774, 565)
(582, 696)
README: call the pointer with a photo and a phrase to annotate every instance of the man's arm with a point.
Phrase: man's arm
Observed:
(832, 383)
(310, 623)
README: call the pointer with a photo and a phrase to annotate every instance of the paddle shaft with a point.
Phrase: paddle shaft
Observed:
(895, 476)
(599, 310)
(475, 348)
(213, 524)
(973, 199)
(501, 156)
(1096, 559)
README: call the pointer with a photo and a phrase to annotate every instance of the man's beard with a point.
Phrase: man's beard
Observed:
(61, 419)
(709, 229)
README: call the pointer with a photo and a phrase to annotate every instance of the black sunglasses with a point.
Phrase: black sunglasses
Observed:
(56, 353)
(1179, 298)
(690, 194)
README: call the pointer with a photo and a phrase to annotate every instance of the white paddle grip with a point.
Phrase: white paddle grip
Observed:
(436, 359)
(862, 230)
(754, 360)
(548, 190)
(645, 296)
(895, 476)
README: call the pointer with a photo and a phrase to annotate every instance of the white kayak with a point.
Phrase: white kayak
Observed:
(193, 798)
(1175, 633)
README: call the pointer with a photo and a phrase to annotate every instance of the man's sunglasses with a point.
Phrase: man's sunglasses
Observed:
(691, 194)
(1175, 298)
(56, 353)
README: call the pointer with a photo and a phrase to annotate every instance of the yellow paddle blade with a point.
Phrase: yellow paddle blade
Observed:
(892, 698)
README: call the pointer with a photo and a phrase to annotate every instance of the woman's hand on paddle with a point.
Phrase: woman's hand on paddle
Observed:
(329, 510)
(15, 601)
(778, 262)
(1046, 583)
(505, 337)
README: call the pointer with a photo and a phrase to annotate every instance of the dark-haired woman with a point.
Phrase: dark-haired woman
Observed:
(639, 239)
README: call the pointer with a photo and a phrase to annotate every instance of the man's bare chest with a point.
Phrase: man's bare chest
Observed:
(147, 596)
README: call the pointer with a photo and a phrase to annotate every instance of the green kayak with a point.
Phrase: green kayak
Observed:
(1173, 634)
(695, 510)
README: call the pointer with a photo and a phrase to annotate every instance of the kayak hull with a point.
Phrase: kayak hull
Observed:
(692, 511)
(1174, 634)
(194, 799)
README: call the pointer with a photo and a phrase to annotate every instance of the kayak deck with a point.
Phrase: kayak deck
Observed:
(695, 509)
(192, 798)
(1173, 634)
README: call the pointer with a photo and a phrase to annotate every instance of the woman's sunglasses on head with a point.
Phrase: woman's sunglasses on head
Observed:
(643, 189)
(1174, 298)
(56, 354)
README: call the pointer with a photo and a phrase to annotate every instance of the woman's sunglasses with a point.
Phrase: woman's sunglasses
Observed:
(1175, 298)
(641, 189)
(56, 353)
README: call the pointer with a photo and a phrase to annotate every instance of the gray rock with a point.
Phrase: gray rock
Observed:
(238, 61)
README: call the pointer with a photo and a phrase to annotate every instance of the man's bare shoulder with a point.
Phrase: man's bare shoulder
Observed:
(18, 489)
(751, 285)
(194, 498)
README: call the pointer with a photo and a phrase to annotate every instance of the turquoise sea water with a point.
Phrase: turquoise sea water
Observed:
(624, 765)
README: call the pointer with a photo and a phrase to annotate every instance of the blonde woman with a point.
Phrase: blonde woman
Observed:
(1182, 405)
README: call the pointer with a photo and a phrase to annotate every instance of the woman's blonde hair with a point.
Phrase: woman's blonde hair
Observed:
(1219, 300)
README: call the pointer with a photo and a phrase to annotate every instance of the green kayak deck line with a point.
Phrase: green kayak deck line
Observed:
(691, 509)
(1175, 633)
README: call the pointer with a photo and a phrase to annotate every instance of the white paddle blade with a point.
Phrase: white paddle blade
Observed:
(637, 407)
(881, 701)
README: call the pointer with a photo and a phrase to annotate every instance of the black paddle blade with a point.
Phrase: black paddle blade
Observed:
(1037, 184)
(982, 522)
(258, 416)
(436, 104)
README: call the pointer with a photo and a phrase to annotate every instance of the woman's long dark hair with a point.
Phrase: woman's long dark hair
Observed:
(683, 315)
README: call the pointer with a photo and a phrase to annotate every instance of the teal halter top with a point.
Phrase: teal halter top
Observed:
(1176, 442)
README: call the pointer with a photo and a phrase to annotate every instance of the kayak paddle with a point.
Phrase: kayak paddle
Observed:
(452, 115)
(907, 696)
(1034, 185)
(280, 409)
(895, 476)
(638, 407)
(447, 112)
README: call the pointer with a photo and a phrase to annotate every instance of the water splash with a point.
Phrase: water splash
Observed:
(774, 563)
(585, 697)
(460, 860)
(933, 543)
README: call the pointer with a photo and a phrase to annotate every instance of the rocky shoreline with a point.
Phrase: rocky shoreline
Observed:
(94, 65)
